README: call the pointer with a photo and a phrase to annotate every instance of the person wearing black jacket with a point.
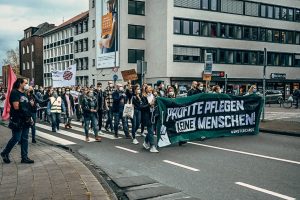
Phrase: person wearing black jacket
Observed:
(119, 100)
(136, 121)
(70, 107)
(194, 90)
(20, 121)
(89, 108)
(101, 102)
(33, 110)
(148, 101)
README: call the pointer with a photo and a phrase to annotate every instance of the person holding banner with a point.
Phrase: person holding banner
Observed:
(89, 107)
(148, 101)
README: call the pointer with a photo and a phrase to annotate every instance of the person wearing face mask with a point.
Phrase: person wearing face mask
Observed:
(2, 101)
(39, 95)
(216, 89)
(252, 90)
(108, 105)
(33, 110)
(137, 102)
(89, 107)
(20, 121)
(46, 100)
(200, 88)
(171, 93)
(78, 110)
(54, 109)
(68, 101)
(148, 102)
(161, 88)
(100, 101)
(119, 100)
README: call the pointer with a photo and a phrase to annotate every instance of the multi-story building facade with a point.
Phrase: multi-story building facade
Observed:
(31, 53)
(172, 36)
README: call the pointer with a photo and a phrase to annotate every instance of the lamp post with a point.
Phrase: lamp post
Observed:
(264, 82)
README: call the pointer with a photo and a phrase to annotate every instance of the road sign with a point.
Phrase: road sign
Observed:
(115, 69)
(206, 77)
(115, 77)
(208, 63)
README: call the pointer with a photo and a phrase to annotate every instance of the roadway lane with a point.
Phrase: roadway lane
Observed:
(216, 171)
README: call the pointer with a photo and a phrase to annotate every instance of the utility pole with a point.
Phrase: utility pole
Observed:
(264, 82)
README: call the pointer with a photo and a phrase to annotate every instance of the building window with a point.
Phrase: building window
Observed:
(186, 27)
(238, 57)
(94, 43)
(204, 29)
(213, 29)
(24, 66)
(283, 37)
(262, 36)
(254, 33)
(205, 4)
(246, 34)
(276, 36)
(232, 6)
(222, 56)
(245, 57)
(251, 9)
(93, 23)
(136, 32)
(269, 35)
(177, 26)
(214, 5)
(297, 15)
(263, 12)
(28, 65)
(94, 62)
(27, 48)
(32, 48)
(186, 54)
(24, 50)
(230, 55)
(270, 11)
(290, 16)
(93, 4)
(297, 38)
(289, 35)
(196, 27)
(223, 31)
(231, 31)
(277, 12)
(135, 54)
(239, 32)
(283, 13)
(136, 7)
(253, 58)
(32, 65)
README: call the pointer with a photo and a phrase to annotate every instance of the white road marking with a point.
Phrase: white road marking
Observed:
(67, 133)
(53, 138)
(132, 151)
(265, 191)
(108, 136)
(183, 166)
(246, 153)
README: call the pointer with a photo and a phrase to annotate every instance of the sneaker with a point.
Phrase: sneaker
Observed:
(116, 136)
(181, 143)
(33, 141)
(87, 139)
(153, 150)
(27, 161)
(135, 141)
(100, 133)
(144, 135)
(146, 145)
(53, 131)
(5, 158)
(128, 137)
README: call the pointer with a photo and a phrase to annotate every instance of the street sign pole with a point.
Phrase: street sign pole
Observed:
(264, 83)
(225, 84)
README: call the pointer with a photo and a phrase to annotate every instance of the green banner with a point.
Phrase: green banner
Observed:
(207, 116)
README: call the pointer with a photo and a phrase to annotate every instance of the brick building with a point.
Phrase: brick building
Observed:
(31, 53)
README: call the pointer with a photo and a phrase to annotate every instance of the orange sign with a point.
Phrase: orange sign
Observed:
(107, 21)
(129, 75)
(206, 77)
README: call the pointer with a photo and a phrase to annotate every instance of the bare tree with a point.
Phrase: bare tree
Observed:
(12, 57)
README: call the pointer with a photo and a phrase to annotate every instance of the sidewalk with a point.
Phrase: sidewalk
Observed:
(56, 174)
(289, 124)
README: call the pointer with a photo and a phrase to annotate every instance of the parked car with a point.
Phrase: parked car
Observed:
(274, 96)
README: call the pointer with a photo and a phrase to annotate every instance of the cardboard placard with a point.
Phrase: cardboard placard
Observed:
(107, 21)
(129, 75)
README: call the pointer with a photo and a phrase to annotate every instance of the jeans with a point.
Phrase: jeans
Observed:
(109, 119)
(1, 111)
(119, 116)
(18, 136)
(67, 119)
(55, 119)
(91, 117)
(136, 121)
(149, 137)
(33, 130)
(100, 117)
(78, 112)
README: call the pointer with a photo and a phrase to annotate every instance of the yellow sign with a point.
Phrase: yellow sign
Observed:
(206, 77)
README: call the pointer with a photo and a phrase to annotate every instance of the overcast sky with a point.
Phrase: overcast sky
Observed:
(17, 15)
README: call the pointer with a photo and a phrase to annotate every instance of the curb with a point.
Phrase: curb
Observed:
(287, 133)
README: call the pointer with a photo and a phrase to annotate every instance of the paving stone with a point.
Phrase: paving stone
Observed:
(133, 181)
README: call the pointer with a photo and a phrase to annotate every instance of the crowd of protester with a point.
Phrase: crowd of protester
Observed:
(102, 108)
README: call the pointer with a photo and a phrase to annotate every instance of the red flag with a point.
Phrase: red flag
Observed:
(11, 80)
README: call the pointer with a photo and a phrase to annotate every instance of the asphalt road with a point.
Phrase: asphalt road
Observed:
(264, 166)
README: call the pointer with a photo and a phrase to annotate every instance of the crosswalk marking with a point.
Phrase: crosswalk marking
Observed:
(66, 133)
(281, 115)
(54, 138)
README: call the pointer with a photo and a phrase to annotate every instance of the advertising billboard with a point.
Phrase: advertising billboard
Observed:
(107, 29)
